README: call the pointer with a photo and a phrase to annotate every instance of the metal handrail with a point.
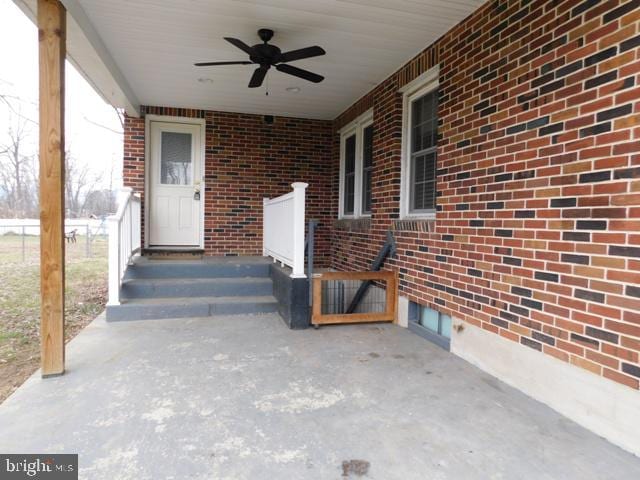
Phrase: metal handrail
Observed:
(309, 246)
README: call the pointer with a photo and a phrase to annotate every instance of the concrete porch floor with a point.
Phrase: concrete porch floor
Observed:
(244, 398)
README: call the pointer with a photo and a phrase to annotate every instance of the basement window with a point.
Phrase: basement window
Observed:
(356, 165)
(431, 324)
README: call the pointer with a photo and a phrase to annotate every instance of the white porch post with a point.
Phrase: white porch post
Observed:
(264, 226)
(115, 238)
(298, 228)
(114, 261)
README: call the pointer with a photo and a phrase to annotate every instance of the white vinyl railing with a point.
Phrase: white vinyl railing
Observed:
(283, 229)
(124, 240)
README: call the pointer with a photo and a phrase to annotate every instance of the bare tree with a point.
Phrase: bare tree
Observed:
(19, 176)
(18, 180)
(100, 203)
(79, 182)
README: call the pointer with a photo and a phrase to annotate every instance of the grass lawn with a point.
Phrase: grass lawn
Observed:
(86, 291)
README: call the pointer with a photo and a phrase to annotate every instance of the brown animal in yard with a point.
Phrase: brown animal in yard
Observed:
(71, 236)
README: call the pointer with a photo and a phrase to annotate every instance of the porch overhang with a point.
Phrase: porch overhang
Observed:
(138, 53)
(88, 54)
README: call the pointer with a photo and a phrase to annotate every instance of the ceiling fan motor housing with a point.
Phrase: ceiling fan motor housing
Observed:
(267, 52)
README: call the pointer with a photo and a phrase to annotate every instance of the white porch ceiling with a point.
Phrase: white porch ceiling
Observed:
(154, 43)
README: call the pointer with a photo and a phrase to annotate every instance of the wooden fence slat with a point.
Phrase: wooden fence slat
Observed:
(354, 318)
(317, 297)
(381, 275)
(391, 297)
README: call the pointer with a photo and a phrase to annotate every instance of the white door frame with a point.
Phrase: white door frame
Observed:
(147, 166)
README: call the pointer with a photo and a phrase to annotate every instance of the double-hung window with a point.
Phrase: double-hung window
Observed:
(349, 177)
(420, 144)
(356, 166)
(367, 167)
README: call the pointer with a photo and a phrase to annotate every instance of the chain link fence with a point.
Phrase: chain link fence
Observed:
(85, 231)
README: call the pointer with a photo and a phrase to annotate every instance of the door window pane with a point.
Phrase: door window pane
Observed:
(175, 159)
(367, 166)
(349, 174)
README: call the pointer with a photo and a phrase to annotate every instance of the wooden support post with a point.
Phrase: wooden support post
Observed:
(52, 53)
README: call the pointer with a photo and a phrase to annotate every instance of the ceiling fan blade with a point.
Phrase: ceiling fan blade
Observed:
(240, 44)
(258, 77)
(208, 64)
(308, 52)
(298, 72)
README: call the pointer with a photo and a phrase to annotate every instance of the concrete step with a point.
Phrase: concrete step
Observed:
(210, 267)
(196, 287)
(187, 307)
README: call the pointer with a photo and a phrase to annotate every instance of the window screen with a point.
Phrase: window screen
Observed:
(175, 159)
(424, 142)
(349, 174)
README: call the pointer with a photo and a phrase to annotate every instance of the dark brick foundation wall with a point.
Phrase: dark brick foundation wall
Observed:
(292, 295)
(246, 160)
(537, 231)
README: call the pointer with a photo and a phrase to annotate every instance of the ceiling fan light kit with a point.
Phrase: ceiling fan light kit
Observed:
(267, 55)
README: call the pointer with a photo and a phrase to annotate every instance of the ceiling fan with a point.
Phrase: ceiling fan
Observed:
(268, 56)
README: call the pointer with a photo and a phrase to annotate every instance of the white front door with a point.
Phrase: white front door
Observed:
(175, 174)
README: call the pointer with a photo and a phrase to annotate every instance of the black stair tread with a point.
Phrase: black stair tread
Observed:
(206, 260)
(198, 300)
(195, 280)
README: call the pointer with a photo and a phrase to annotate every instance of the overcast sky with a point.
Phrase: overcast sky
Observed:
(99, 147)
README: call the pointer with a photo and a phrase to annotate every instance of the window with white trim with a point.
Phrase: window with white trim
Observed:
(349, 175)
(420, 145)
(356, 166)
(367, 167)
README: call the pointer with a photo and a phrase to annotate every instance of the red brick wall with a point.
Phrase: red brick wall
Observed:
(246, 160)
(537, 232)
(133, 158)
